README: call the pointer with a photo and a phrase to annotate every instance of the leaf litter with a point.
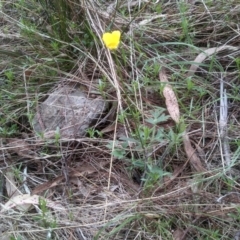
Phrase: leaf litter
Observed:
(174, 112)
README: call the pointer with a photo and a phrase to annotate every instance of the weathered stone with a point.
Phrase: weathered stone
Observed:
(70, 110)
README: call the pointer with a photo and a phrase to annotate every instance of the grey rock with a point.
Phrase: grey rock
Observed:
(68, 110)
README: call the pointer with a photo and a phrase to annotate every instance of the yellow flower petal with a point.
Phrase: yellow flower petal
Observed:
(111, 40)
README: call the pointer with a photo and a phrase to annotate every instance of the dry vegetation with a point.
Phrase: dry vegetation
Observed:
(139, 174)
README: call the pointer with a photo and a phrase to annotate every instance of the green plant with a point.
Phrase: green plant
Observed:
(45, 218)
(186, 33)
(102, 86)
(57, 136)
(8, 131)
(9, 74)
(93, 133)
(125, 221)
(18, 173)
(141, 143)
(153, 175)
(16, 238)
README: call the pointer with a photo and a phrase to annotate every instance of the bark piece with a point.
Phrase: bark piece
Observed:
(69, 111)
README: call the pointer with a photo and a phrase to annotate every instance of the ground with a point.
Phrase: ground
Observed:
(162, 161)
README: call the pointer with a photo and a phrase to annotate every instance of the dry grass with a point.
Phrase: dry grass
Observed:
(102, 186)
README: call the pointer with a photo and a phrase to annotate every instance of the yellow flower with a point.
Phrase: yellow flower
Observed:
(111, 40)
